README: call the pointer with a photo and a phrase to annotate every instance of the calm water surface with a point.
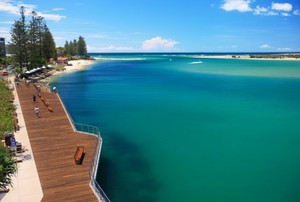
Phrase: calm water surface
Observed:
(184, 128)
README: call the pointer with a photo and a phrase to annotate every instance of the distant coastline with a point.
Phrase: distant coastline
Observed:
(288, 56)
(220, 55)
(295, 56)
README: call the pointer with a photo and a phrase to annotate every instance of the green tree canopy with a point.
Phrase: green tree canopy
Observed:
(81, 46)
(18, 44)
(32, 44)
(76, 47)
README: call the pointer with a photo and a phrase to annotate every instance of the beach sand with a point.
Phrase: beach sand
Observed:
(76, 65)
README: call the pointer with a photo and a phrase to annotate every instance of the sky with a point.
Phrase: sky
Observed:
(166, 26)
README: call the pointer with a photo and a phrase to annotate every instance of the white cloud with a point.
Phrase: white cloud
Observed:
(265, 46)
(296, 12)
(53, 17)
(58, 9)
(158, 43)
(274, 9)
(6, 6)
(260, 10)
(13, 7)
(284, 49)
(282, 6)
(8, 22)
(285, 14)
(97, 36)
(238, 5)
(4, 32)
(264, 11)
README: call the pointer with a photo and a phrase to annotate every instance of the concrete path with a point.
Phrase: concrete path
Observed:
(26, 183)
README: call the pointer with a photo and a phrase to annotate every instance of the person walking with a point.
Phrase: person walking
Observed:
(33, 97)
(37, 111)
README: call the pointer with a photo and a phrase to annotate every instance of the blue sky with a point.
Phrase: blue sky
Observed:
(167, 26)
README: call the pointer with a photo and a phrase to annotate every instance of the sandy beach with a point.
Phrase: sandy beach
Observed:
(76, 65)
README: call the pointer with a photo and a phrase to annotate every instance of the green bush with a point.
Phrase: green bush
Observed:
(6, 108)
(8, 167)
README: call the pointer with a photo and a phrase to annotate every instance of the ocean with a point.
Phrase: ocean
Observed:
(178, 127)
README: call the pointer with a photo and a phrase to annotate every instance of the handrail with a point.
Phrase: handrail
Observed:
(93, 168)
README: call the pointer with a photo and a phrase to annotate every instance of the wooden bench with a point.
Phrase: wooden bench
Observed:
(79, 155)
(50, 109)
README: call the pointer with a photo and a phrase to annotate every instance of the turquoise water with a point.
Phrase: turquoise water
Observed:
(183, 128)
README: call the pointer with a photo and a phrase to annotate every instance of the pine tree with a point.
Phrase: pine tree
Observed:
(18, 44)
(67, 48)
(34, 42)
(81, 46)
(31, 45)
(75, 52)
(61, 51)
(71, 48)
(49, 50)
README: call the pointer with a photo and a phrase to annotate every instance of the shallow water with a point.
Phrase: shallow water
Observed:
(182, 128)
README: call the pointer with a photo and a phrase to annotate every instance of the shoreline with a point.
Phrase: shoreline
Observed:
(74, 65)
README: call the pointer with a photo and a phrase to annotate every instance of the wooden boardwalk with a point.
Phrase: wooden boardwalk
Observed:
(54, 143)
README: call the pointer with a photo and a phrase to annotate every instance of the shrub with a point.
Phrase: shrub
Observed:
(8, 167)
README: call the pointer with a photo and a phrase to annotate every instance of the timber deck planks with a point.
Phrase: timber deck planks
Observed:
(54, 143)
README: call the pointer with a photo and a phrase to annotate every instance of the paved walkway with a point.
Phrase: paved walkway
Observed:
(48, 171)
(26, 183)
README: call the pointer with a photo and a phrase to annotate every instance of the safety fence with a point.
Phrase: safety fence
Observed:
(93, 167)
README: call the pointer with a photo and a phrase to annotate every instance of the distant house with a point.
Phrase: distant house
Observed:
(62, 60)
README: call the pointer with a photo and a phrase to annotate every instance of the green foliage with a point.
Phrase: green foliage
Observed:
(32, 45)
(18, 44)
(8, 167)
(74, 47)
(49, 49)
(5, 61)
(6, 108)
(81, 46)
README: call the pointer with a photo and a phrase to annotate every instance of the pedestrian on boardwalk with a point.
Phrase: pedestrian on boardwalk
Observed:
(37, 111)
(54, 89)
(39, 88)
(33, 97)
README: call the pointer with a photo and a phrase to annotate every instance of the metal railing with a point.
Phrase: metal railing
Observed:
(93, 167)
